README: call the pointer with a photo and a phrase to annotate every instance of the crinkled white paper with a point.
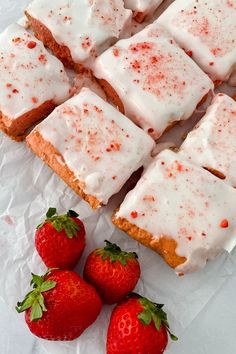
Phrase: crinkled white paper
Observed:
(28, 188)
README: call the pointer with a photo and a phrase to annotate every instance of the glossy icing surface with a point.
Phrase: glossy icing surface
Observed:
(30, 75)
(99, 145)
(207, 30)
(184, 202)
(145, 6)
(212, 143)
(86, 27)
(156, 81)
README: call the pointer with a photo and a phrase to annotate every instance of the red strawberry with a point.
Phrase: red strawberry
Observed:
(60, 306)
(138, 325)
(113, 272)
(60, 239)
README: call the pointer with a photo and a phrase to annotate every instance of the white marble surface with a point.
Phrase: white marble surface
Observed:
(211, 332)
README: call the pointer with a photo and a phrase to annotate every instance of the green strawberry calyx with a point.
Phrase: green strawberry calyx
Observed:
(62, 222)
(154, 312)
(35, 299)
(114, 253)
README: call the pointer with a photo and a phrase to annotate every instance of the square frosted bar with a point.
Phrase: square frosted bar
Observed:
(212, 144)
(78, 31)
(181, 211)
(207, 32)
(32, 81)
(152, 80)
(91, 146)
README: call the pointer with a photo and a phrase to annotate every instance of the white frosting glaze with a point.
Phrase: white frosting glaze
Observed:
(207, 30)
(186, 203)
(212, 143)
(156, 81)
(86, 27)
(144, 6)
(29, 76)
(100, 145)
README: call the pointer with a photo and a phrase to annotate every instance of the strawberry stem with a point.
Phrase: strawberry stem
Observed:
(154, 312)
(51, 212)
(35, 299)
(114, 253)
(62, 222)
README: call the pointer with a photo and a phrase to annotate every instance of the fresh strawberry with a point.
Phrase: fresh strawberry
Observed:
(60, 306)
(60, 239)
(138, 325)
(113, 272)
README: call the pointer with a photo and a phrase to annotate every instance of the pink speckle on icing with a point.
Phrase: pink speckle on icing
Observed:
(116, 52)
(114, 146)
(17, 40)
(191, 213)
(136, 65)
(97, 109)
(67, 18)
(203, 25)
(34, 99)
(143, 46)
(230, 4)
(134, 214)
(42, 58)
(86, 43)
(179, 166)
(216, 51)
(224, 224)
(31, 44)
